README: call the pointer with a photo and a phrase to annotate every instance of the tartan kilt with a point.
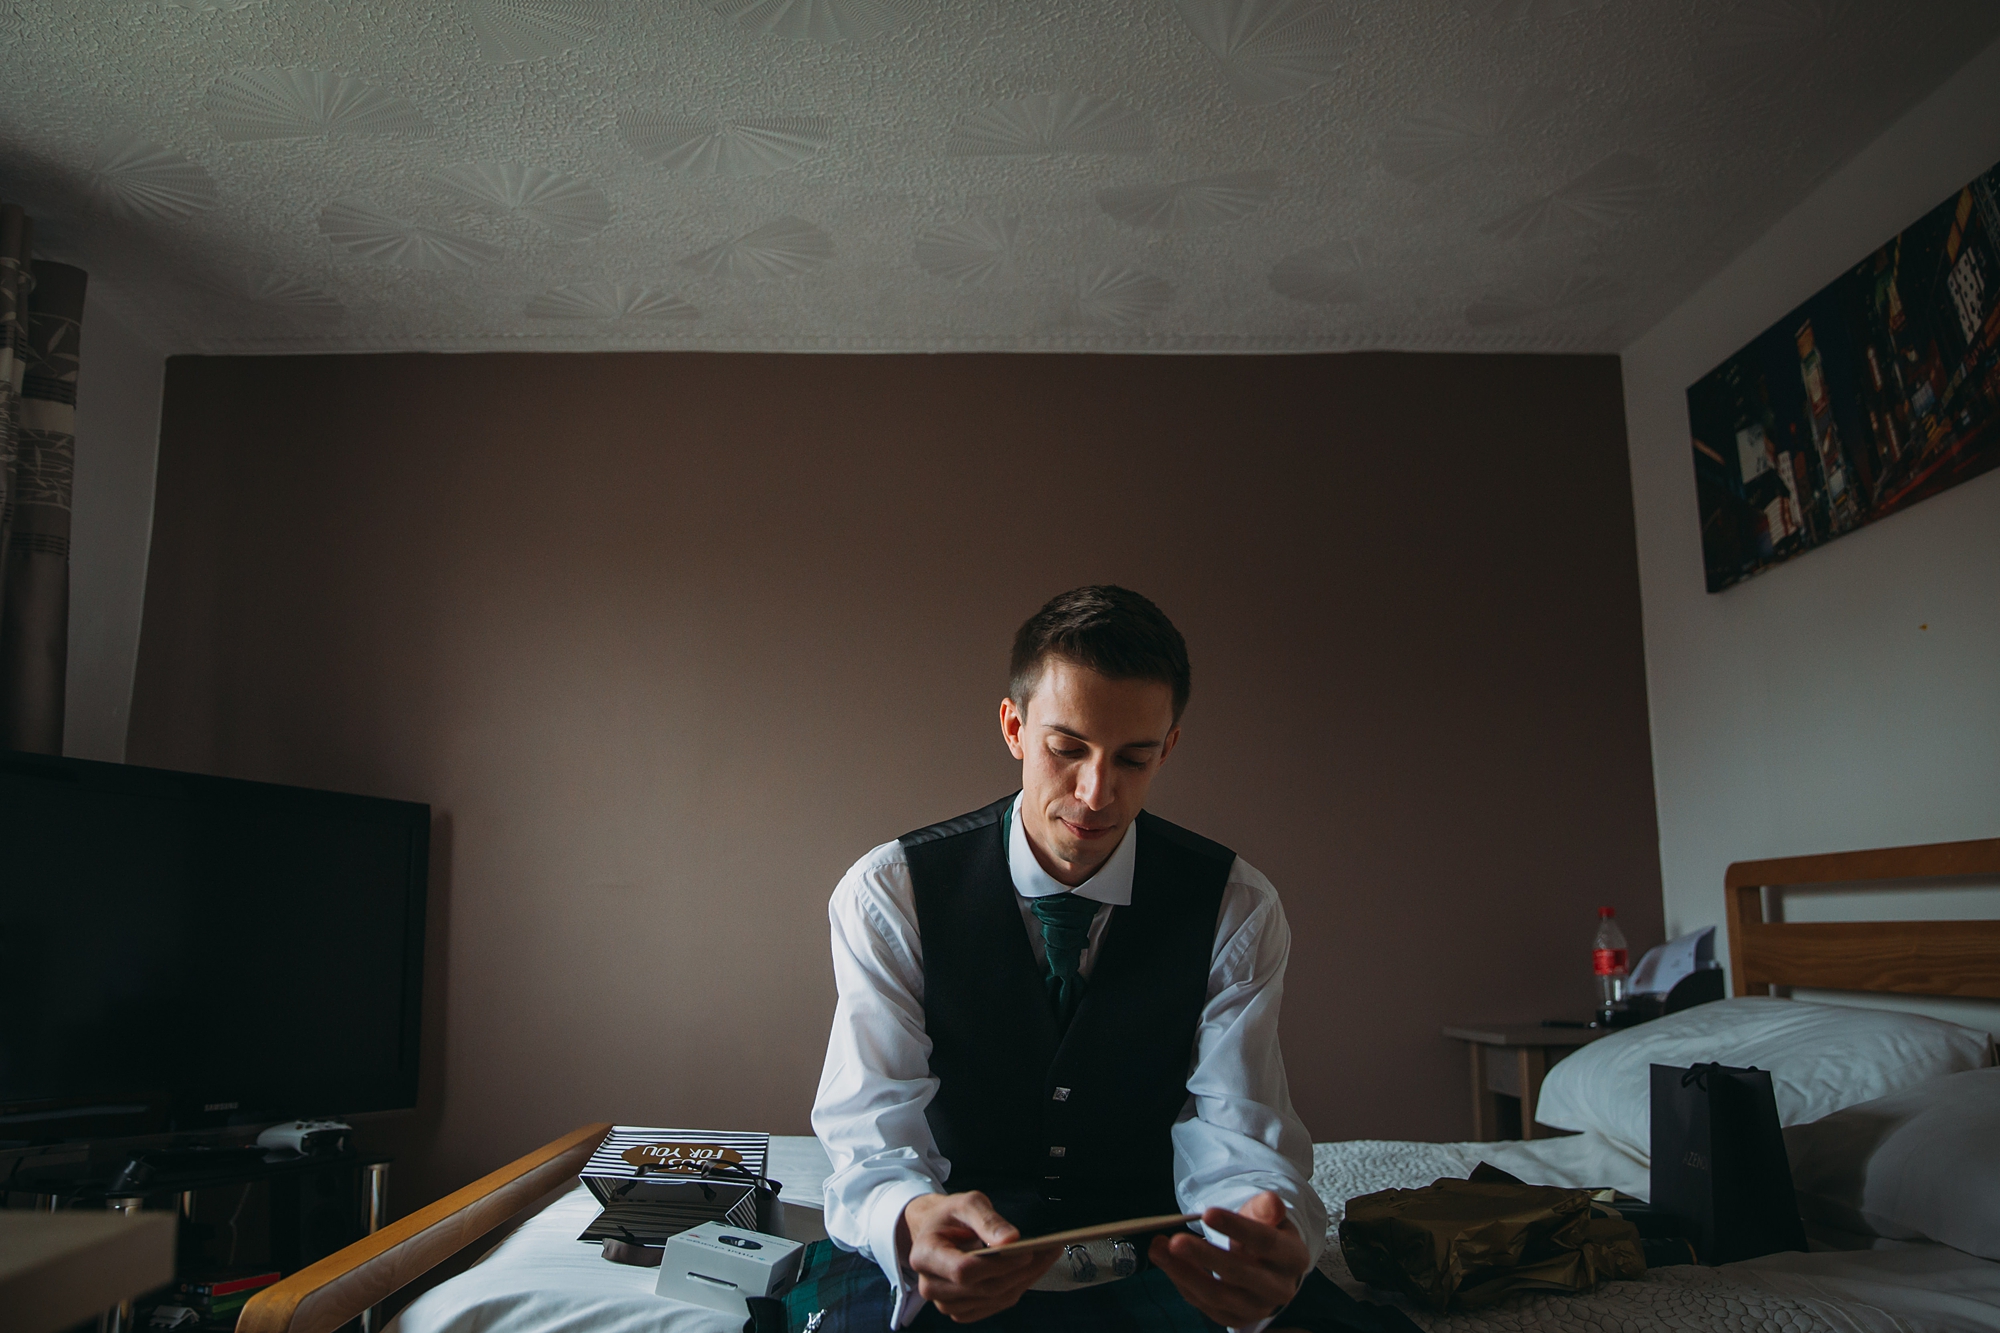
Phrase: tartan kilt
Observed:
(849, 1295)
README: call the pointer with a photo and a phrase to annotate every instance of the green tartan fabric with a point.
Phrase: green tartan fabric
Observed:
(848, 1294)
(855, 1298)
(838, 1281)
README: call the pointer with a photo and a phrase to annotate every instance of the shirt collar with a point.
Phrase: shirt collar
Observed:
(1111, 884)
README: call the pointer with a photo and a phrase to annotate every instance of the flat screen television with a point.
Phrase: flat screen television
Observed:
(181, 952)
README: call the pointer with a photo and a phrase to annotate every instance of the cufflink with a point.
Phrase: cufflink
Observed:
(1058, 1151)
(1062, 1094)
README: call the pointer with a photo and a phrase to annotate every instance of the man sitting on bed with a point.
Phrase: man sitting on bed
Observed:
(1060, 1011)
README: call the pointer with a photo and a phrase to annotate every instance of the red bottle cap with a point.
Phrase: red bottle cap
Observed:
(1606, 911)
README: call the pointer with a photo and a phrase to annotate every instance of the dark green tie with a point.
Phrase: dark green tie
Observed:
(1065, 922)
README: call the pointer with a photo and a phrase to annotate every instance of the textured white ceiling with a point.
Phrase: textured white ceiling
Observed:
(1146, 175)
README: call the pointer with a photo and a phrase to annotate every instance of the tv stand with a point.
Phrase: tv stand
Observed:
(309, 1207)
(141, 1169)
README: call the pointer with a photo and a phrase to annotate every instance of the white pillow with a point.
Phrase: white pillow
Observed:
(1821, 1057)
(1920, 1164)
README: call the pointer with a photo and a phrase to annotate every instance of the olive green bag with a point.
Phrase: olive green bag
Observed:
(1463, 1244)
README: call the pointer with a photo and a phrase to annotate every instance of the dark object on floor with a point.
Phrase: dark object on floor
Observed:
(1464, 1244)
(1719, 1163)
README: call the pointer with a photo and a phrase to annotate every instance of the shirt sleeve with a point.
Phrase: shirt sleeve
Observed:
(1238, 1134)
(876, 1084)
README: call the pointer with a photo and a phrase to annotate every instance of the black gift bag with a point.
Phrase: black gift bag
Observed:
(1719, 1164)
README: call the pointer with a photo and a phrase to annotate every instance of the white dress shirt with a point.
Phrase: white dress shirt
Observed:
(1237, 1135)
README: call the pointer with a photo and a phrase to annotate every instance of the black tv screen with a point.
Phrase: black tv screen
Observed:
(183, 952)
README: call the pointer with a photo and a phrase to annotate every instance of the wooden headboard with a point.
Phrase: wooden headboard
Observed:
(1899, 957)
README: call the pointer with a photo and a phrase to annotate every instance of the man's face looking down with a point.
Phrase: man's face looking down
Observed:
(1089, 747)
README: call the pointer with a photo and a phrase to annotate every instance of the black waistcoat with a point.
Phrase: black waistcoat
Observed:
(1059, 1128)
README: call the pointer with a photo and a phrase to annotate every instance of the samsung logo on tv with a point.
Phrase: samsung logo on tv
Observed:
(222, 1106)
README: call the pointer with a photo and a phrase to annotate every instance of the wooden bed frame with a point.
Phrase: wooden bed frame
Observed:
(1897, 957)
(1960, 958)
(348, 1283)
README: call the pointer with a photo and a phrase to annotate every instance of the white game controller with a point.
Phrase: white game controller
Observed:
(308, 1138)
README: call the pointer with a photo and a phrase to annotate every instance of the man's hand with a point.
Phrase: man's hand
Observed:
(1254, 1278)
(932, 1238)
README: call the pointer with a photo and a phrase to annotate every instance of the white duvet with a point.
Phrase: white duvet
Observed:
(1899, 1288)
(541, 1279)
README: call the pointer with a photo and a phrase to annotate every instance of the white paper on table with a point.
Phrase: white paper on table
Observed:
(1667, 965)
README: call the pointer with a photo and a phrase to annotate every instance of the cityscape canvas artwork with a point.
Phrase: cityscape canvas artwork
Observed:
(1881, 390)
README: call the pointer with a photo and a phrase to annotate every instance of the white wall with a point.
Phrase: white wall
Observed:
(111, 526)
(1850, 697)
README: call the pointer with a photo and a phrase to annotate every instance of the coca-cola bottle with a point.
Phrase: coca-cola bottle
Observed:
(1608, 961)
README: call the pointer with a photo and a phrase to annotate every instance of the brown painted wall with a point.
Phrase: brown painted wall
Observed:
(668, 640)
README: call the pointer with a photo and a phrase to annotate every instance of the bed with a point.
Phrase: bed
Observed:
(1900, 1244)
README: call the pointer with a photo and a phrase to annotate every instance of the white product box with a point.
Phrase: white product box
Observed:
(719, 1266)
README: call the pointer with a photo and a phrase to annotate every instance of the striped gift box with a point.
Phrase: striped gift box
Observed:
(656, 1183)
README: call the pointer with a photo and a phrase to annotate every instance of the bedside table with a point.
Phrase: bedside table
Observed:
(1509, 1061)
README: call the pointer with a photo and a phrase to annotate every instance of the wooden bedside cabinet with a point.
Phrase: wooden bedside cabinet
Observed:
(1509, 1061)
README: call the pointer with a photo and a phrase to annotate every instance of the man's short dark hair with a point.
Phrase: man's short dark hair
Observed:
(1112, 631)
